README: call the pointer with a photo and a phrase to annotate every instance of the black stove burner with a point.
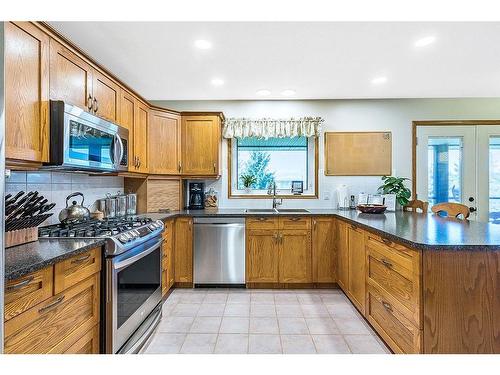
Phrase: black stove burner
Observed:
(93, 227)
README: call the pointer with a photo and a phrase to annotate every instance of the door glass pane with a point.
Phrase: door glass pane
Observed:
(494, 180)
(444, 169)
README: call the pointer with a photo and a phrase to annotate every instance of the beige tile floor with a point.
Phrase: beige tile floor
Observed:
(262, 321)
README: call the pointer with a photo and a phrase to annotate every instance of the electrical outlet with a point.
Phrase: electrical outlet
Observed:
(327, 196)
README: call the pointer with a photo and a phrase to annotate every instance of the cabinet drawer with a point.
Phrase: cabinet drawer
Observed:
(396, 330)
(27, 291)
(79, 342)
(46, 325)
(401, 257)
(262, 222)
(75, 269)
(294, 222)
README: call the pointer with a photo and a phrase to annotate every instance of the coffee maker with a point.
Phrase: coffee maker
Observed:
(196, 193)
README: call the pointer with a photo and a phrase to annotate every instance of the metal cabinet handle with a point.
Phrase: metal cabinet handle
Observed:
(281, 238)
(180, 166)
(387, 263)
(50, 306)
(354, 227)
(214, 167)
(139, 162)
(21, 284)
(81, 259)
(96, 108)
(387, 306)
(295, 218)
(275, 236)
(89, 103)
(386, 241)
(262, 218)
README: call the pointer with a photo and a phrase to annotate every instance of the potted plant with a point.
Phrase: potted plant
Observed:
(395, 185)
(248, 180)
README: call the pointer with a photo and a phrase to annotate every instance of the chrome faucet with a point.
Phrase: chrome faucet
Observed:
(272, 190)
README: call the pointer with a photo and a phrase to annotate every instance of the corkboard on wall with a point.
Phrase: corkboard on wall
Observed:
(358, 153)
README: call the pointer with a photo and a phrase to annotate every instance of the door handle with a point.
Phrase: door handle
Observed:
(472, 209)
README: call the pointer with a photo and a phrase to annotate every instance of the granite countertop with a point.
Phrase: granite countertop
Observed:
(420, 231)
(23, 259)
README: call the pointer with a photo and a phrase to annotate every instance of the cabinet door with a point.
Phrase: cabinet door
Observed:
(324, 251)
(70, 77)
(357, 261)
(26, 92)
(200, 145)
(141, 127)
(295, 256)
(342, 254)
(127, 120)
(262, 256)
(183, 257)
(106, 97)
(164, 143)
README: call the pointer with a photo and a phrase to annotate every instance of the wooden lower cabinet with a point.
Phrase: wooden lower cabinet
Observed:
(183, 250)
(341, 241)
(262, 256)
(356, 250)
(86, 344)
(168, 265)
(324, 251)
(295, 261)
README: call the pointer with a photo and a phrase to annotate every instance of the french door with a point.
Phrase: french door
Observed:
(460, 164)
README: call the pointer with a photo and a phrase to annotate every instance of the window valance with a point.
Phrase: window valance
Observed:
(272, 128)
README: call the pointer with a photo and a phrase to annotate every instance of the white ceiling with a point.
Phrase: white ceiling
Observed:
(317, 60)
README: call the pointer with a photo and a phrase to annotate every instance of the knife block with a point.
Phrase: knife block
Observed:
(21, 236)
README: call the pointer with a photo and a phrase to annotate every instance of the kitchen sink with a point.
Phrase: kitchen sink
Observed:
(293, 210)
(261, 211)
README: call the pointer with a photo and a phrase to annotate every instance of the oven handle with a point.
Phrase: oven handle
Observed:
(128, 261)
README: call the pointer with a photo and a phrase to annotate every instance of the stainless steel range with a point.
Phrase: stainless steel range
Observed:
(131, 297)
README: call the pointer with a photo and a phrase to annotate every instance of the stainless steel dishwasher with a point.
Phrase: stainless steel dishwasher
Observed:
(219, 251)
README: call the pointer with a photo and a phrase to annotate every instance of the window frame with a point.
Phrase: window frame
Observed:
(230, 168)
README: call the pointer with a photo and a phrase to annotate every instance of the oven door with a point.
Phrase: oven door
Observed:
(133, 291)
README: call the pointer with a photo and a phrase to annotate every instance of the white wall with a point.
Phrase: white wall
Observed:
(395, 115)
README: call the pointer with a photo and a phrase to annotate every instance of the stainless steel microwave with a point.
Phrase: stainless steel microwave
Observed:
(82, 141)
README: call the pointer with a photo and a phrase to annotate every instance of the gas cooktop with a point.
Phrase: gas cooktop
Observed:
(121, 233)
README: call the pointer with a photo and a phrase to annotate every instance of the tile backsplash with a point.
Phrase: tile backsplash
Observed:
(56, 186)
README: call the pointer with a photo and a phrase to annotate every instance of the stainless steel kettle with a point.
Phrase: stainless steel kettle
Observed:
(75, 212)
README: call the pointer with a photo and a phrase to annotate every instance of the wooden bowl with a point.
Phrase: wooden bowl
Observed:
(371, 208)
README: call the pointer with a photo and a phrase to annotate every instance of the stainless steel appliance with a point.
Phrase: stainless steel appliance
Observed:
(82, 141)
(219, 251)
(196, 193)
(131, 283)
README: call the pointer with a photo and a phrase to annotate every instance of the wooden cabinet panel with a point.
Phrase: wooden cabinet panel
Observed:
(393, 326)
(183, 250)
(294, 222)
(141, 136)
(341, 240)
(324, 252)
(164, 143)
(357, 258)
(295, 261)
(262, 256)
(127, 120)
(262, 222)
(26, 92)
(200, 145)
(88, 343)
(75, 269)
(106, 97)
(70, 77)
(24, 293)
(42, 327)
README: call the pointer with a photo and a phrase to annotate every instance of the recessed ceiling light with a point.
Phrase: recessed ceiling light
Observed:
(202, 44)
(379, 80)
(422, 42)
(288, 92)
(263, 92)
(217, 82)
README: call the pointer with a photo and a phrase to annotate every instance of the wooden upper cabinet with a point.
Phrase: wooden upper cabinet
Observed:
(341, 241)
(324, 250)
(262, 256)
(70, 77)
(357, 259)
(164, 143)
(105, 97)
(26, 92)
(201, 140)
(295, 262)
(127, 120)
(140, 140)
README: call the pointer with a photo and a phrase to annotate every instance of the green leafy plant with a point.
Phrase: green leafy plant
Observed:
(395, 185)
(248, 180)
